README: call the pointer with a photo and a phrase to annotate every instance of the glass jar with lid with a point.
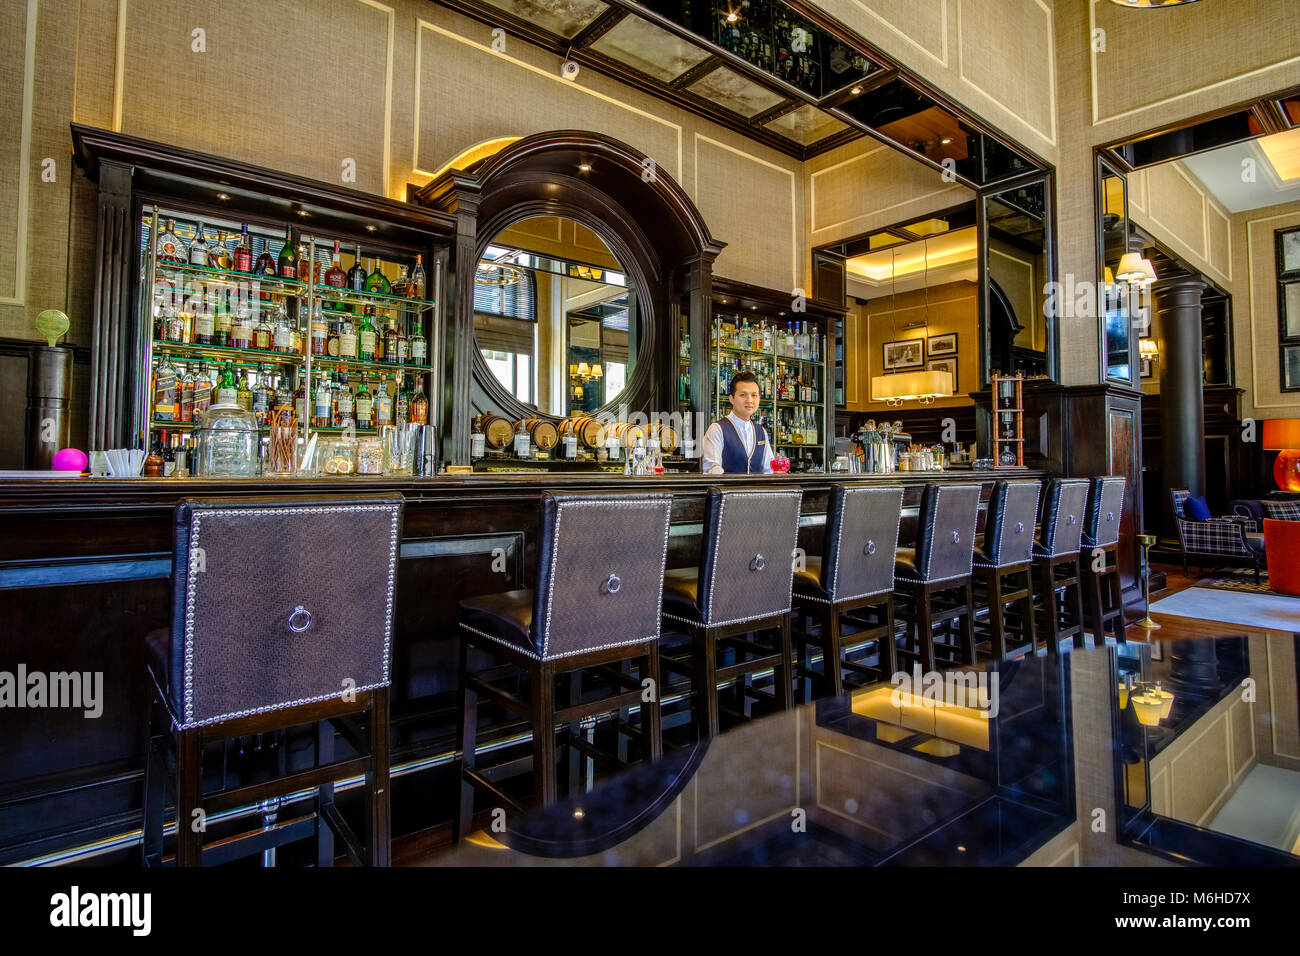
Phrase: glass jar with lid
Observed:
(226, 443)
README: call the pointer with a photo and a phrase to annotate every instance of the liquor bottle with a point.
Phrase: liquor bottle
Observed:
(523, 443)
(305, 264)
(323, 404)
(419, 350)
(262, 396)
(365, 406)
(417, 279)
(379, 336)
(227, 391)
(319, 332)
(203, 383)
(366, 335)
(478, 441)
(419, 410)
(221, 332)
(266, 263)
(335, 275)
(300, 397)
(357, 274)
(187, 395)
(402, 404)
(173, 326)
(244, 393)
(282, 335)
(684, 350)
(198, 254)
(343, 402)
(169, 247)
(383, 404)
(263, 334)
(244, 252)
(347, 339)
(168, 454)
(392, 353)
(332, 344)
(402, 286)
(204, 324)
(219, 256)
(166, 404)
(288, 260)
(377, 282)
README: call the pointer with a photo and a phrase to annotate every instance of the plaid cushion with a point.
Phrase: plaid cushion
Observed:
(1282, 510)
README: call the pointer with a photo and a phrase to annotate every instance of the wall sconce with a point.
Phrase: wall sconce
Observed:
(1147, 348)
(1152, 705)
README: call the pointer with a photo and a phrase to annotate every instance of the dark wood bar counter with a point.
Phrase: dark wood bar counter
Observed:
(84, 576)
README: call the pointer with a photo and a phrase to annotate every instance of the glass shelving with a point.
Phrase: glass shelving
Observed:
(212, 300)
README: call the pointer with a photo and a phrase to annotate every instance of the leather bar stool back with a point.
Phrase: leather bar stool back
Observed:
(742, 586)
(1058, 587)
(855, 573)
(747, 571)
(936, 575)
(260, 641)
(1003, 561)
(1099, 558)
(597, 603)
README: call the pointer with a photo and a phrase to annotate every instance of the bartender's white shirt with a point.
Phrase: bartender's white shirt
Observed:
(711, 457)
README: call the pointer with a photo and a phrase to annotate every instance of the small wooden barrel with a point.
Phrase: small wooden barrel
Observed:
(498, 433)
(668, 440)
(626, 433)
(542, 433)
(586, 429)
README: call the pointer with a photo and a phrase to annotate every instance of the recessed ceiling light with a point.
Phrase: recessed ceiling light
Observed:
(732, 16)
(945, 141)
(369, 228)
(584, 167)
(856, 90)
(753, 308)
(578, 814)
(303, 212)
(223, 196)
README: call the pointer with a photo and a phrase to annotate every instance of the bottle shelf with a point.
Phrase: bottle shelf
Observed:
(241, 357)
(281, 286)
(331, 363)
(330, 293)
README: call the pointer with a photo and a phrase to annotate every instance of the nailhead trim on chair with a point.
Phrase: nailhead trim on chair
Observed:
(191, 584)
(722, 509)
(550, 590)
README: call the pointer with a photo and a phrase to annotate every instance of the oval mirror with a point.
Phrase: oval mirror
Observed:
(556, 317)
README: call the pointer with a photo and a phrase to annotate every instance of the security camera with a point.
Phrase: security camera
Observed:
(569, 70)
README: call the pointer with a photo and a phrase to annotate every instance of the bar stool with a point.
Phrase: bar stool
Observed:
(742, 587)
(259, 648)
(597, 603)
(1003, 561)
(855, 572)
(934, 577)
(1103, 595)
(1056, 563)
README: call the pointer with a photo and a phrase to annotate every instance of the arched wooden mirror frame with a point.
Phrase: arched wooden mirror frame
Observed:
(644, 217)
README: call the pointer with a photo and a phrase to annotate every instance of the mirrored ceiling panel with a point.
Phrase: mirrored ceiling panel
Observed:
(649, 49)
(563, 17)
(731, 91)
(806, 125)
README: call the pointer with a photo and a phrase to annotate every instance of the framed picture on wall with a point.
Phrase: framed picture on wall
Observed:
(1146, 368)
(948, 365)
(906, 353)
(937, 345)
(1288, 251)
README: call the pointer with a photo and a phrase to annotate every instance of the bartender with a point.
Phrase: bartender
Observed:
(735, 445)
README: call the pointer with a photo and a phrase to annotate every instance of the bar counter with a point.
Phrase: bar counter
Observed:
(84, 576)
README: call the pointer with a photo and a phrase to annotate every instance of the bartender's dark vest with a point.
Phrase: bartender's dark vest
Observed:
(735, 460)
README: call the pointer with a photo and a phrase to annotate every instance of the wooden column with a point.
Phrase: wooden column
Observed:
(1182, 421)
(112, 350)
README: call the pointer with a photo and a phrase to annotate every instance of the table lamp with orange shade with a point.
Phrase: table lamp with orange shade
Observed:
(1283, 435)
